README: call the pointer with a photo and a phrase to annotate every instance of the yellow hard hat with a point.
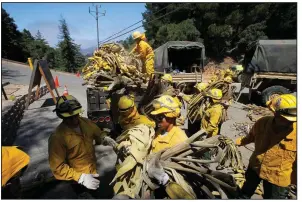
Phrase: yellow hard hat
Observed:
(167, 77)
(201, 86)
(228, 79)
(286, 105)
(215, 93)
(68, 106)
(136, 35)
(13, 160)
(166, 105)
(125, 103)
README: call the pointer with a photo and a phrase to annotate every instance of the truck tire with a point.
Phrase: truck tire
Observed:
(271, 91)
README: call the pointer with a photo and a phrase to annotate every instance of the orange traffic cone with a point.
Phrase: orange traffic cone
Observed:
(78, 74)
(65, 91)
(57, 82)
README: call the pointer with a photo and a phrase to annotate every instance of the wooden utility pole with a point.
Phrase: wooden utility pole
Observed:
(97, 15)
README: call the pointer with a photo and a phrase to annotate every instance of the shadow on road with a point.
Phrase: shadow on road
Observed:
(10, 74)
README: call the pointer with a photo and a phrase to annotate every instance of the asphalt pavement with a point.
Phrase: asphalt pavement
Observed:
(21, 74)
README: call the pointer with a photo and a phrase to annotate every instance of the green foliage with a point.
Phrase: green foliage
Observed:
(70, 57)
(221, 26)
(19, 46)
(11, 39)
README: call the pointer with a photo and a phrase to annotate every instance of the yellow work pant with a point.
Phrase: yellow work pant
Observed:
(149, 66)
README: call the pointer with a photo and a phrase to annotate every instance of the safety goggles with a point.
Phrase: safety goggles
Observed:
(159, 118)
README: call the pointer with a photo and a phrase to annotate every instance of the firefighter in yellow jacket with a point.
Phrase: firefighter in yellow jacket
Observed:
(71, 148)
(14, 163)
(213, 116)
(129, 116)
(166, 110)
(275, 139)
(145, 52)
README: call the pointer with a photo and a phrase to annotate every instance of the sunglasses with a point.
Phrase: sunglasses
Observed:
(159, 118)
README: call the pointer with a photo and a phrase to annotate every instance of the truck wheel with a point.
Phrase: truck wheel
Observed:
(271, 92)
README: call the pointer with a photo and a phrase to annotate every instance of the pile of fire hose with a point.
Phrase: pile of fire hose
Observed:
(109, 61)
(197, 104)
(189, 176)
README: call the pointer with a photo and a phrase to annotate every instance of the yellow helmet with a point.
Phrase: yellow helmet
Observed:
(166, 105)
(136, 35)
(167, 77)
(125, 103)
(215, 93)
(228, 79)
(68, 106)
(286, 105)
(201, 86)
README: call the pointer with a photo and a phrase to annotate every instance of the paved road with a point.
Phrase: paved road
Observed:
(21, 74)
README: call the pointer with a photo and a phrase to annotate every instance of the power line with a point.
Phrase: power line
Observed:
(141, 25)
(133, 24)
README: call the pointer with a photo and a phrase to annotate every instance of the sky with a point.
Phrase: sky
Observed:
(82, 26)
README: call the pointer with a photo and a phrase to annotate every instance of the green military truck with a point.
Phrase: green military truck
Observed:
(270, 69)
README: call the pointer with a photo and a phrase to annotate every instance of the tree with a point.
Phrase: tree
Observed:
(40, 47)
(71, 58)
(11, 39)
(221, 25)
(27, 43)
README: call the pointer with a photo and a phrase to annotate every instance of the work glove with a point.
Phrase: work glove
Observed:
(156, 171)
(89, 181)
(109, 141)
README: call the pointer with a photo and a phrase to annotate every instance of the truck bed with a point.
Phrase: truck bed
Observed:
(187, 77)
(273, 75)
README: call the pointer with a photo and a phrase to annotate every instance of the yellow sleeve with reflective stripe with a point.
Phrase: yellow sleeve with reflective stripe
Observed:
(57, 160)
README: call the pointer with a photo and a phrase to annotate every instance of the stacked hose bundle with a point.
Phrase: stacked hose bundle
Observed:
(188, 175)
(197, 104)
(109, 61)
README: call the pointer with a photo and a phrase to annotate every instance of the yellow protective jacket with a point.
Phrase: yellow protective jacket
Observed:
(146, 54)
(275, 151)
(134, 119)
(13, 160)
(211, 119)
(71, 153)
(174, 137)
(144, 50)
